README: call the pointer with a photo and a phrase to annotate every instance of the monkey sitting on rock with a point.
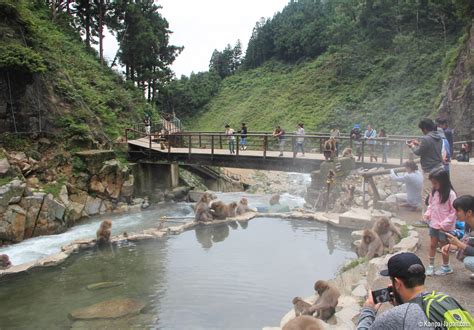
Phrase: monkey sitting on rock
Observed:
(202, 209)
(243, 207)
(324, 307)
(104, 233)
(329, 149)
(5, 262)
(370, 245)
(387, 232)
(222, 211)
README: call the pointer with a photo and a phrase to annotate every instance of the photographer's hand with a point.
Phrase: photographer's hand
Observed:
(370, 301)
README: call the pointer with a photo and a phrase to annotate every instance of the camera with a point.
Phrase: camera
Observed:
(408, 142)
(382, 295)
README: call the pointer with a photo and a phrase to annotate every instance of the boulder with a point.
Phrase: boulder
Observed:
(12, 225)
(79, 196)
(11, 193)
(63, 195)
(109, 309)
(74, 212)
(180, 193)
(410, 243)
(94, 159)
(92, 206)
(127, 187)
(4, 167)
(360, 291)
(356, 218)
(32, 205)
(50, 219)
(19, 157)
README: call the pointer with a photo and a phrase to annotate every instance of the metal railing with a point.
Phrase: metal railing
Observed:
(261, 144)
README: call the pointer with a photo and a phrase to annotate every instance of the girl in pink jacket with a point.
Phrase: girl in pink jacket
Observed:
(441, 216)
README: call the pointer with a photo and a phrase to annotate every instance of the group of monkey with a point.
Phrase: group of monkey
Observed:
(209, 209)
(374, 241)
(330, 149)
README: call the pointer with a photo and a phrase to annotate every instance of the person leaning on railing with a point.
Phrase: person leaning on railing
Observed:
(279, 133)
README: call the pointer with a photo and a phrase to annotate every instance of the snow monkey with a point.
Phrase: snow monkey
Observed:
(243, 207)
(275, 199)
(303, 322)
(329, 148)
(202, 209)
(104, 232)
(221, 210)
(371, 245)
(325, 305)
(347, 153)
(300, 305)
(387, 232)
(5, 261)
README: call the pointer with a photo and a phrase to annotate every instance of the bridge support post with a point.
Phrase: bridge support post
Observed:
(174, 171)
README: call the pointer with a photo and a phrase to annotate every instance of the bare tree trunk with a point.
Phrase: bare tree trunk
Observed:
(53, 10)
(88, 23)
(101, 32)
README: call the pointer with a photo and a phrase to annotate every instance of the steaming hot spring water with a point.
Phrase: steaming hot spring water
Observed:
(241, 275)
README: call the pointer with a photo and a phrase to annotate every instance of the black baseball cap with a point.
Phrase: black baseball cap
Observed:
(399, 266)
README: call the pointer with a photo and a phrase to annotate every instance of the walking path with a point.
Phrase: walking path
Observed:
(458, 283)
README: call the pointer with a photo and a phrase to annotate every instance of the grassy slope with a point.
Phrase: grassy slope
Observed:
(386, 88)
(85, 98)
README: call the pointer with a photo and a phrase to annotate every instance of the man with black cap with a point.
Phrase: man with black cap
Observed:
(407, 274)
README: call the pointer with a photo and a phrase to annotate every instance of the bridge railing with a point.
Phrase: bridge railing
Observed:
(263, 143)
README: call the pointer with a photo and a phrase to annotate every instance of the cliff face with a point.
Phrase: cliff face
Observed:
(458, 101)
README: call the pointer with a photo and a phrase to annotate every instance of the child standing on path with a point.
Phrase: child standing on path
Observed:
(441, 216)
(229, 133)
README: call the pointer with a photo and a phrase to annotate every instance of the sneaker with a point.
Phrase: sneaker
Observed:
(430, 270)
(444, 270)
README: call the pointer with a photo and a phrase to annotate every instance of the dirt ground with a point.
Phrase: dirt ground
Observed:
(457, 284)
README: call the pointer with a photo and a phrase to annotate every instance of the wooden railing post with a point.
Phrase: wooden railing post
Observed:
(293, 141)
(212, 146)
(169, 147)
(401, 153)
(364, 188)
(200, 142)
(237, 145)
(149, 141)
(265, 146)
(220, 141)
(363, 150)
(189, 146)
(126, 135)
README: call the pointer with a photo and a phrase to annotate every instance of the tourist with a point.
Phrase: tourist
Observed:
(464, 207)
(371, 135)
(229, 133)
(448, 133)
(299, 146)
(445, 149)
(429, 149)
(413, 180)
(441, 217)
(356, 135)
(279, 133)
(414, 307)
(147, 122)
(243, 137)
(385, 145)
(407, 275)
(464, 153)
(335, 134)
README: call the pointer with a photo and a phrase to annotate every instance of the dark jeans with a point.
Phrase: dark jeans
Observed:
(299, 147)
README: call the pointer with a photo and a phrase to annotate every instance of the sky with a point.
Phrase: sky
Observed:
(204, 25)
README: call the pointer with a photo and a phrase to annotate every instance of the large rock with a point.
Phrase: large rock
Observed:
(356, 218)
(94, 159)
(12, 226)
(63, 195)
(92, 206)
(11, 193)
(109, 309)
(32, 205)
(180, 193)
(51, 217)
(113, 175)
(127, 187)
(4, 167)
(74, 212)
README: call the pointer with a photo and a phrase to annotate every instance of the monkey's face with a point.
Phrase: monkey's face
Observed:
(233, 205)
(367, 237)
(244, 201)
(320, 286)
(296, 300)
(108, 224)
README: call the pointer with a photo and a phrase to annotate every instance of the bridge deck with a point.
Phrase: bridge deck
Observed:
(246, 158)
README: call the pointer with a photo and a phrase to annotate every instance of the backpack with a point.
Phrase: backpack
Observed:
(445, 312)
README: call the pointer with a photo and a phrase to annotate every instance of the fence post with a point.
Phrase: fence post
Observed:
(169, 147)
(363, 150)
(212, 146)
(200, 144)
(189, 146)
(265, 145)
(149, 141)
(237, 145)
(126, 135)
(220, 141)
(293, 141)
(401, 153)
(364, 187)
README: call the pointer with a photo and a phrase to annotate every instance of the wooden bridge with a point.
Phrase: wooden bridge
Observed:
(262, 152)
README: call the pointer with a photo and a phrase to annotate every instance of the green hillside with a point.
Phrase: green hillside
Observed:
(389, 88)
(52, 71)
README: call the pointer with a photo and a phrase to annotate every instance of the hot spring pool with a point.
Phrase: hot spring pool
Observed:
(237, 276)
